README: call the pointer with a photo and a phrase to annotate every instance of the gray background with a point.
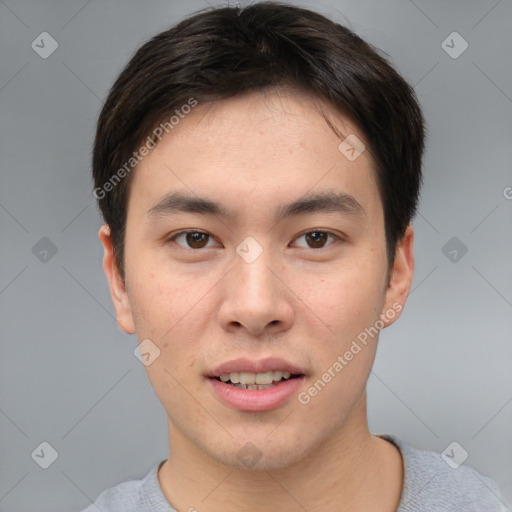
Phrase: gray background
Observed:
(69, 377)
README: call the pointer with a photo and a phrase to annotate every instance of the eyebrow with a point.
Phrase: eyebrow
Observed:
(335, 202)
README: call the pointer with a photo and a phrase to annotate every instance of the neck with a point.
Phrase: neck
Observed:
(351, 470)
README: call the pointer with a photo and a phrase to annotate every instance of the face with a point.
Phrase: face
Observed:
(254, 245)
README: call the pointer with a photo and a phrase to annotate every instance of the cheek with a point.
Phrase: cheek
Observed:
(171, 314)
(349, 303)
(163, 302)
(344, 302)
(330, 397)
(344, 355)
(168, 310)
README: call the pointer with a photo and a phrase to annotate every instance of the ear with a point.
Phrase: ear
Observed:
(400, 278)
(117, 287)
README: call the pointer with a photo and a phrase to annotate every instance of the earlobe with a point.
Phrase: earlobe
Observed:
(118, 293)
(400, 279)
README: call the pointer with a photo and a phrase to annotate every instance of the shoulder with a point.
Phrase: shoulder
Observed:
(431, 484)
(139, 495)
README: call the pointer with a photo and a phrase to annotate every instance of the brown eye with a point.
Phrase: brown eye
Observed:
(197, 240)
(193, 239)
(317, 239)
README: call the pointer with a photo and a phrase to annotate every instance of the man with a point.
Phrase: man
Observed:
(258, 170)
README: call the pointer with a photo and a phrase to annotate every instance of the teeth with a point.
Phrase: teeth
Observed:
(247, 378)
(255, 386)
(264, 378)
(250, 380)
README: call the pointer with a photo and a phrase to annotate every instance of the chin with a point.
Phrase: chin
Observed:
(258, 455)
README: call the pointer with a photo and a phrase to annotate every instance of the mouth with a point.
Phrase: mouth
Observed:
(256, 386)
(253, 381)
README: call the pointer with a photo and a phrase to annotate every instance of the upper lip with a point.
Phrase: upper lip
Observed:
(243, 364)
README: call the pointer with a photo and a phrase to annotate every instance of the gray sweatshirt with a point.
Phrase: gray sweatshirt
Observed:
(430, 485)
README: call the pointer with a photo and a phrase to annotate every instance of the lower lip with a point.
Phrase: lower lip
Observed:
(255, 400)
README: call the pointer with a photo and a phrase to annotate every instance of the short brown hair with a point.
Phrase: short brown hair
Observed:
(221, 52)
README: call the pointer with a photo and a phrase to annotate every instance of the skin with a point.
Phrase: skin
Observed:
(305, 304)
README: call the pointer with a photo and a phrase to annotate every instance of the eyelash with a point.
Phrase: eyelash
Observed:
(329, 233)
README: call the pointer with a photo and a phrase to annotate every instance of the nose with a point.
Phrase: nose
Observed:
(256, 298)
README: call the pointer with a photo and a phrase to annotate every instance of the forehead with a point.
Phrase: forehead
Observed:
(256, 149)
